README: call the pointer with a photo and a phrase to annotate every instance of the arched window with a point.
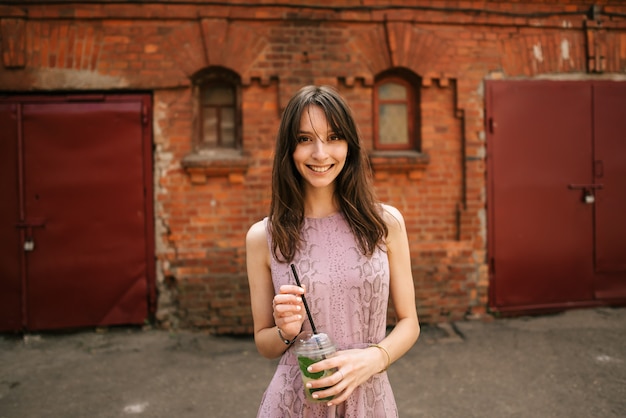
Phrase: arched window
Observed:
(396, 112)
(219, 109)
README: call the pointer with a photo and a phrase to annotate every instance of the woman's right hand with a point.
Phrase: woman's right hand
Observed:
(288, 310)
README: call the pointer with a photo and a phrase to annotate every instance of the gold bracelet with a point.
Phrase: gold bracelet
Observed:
(386, 352)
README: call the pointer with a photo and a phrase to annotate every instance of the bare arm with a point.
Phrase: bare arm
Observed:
(270, 311)
(402, 290)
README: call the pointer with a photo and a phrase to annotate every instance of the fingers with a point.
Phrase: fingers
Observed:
(291, 289)
(288, 308)
(285, 305)
(352, 368)
(287, 319)
(335, 385)
(288, 301)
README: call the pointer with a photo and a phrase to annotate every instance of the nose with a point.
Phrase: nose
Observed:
(319, 152)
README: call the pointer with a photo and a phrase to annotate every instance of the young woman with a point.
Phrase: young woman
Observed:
(351, 253)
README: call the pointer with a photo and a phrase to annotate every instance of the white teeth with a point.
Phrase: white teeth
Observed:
(319, 169)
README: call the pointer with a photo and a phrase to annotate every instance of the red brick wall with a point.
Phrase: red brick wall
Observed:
(202, 215)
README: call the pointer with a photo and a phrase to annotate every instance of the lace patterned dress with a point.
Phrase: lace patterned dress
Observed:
(347, 294)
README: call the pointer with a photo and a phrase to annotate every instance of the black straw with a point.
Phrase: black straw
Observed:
(306, 307)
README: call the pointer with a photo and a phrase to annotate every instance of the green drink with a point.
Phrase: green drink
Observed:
(311, 348)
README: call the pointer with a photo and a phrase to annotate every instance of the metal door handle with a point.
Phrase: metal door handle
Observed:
(33, 223)
(585, 186)
(588, 189)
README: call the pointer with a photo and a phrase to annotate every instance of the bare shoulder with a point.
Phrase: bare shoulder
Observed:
(256, 242)
(256, 234)
(257, 249)
(393, 218)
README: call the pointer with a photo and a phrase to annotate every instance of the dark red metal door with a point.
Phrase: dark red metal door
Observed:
(540, 230)
(609, 112)
(87, 212)
(556, 193)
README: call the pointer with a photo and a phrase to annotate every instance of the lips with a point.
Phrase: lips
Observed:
(320, 169)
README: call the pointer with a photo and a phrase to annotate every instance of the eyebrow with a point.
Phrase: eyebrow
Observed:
(329, 132)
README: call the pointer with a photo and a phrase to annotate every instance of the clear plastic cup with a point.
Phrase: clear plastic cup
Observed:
(311, 348)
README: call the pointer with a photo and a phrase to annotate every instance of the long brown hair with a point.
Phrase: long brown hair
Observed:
(354, 192)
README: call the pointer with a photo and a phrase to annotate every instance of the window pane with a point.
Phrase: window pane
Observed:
(218, 95)
(219, 110)
(393, 124)
(391, 91)
(209, 126)
(228, 127)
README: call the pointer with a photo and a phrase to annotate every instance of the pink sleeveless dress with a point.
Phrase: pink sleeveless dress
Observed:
(347, 294)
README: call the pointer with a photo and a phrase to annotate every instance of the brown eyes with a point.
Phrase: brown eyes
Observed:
(331, 138)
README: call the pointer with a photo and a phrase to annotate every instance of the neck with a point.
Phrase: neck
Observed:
(320, 203)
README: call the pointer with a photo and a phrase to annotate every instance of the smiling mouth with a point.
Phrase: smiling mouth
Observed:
(320, 169)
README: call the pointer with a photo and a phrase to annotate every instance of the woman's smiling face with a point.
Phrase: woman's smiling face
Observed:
(321, 153)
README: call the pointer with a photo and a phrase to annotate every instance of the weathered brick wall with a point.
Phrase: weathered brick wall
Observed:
(202, 216)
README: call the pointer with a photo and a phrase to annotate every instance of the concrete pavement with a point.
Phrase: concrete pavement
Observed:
(568, 365)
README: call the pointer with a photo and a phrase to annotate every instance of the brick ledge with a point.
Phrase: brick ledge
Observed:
(411, 162)
(201, 165)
